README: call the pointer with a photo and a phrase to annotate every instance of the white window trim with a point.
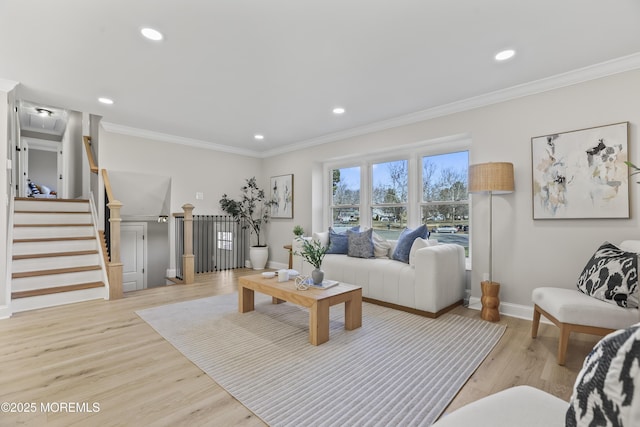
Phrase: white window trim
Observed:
(413, 153)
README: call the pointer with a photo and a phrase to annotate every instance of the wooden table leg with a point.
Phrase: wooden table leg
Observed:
(275, 300)
(245, 299)
(319, 322)
(353, 311)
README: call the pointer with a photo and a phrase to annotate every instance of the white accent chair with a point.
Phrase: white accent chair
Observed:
(572, 311)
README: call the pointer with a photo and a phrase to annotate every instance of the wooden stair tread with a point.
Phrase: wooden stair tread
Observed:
(33, 199)
(55, 290)
(54, 212)
(55, 254)
(54, 225)
(52, 239)
(54, 271)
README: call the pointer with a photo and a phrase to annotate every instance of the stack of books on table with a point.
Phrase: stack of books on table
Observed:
(326, 284)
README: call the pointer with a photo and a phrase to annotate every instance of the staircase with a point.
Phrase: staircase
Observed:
(56, 255)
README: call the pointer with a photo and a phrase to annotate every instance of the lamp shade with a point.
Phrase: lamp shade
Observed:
(494, 177)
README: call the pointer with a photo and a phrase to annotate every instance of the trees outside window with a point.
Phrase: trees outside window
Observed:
(393, 194)
(345, 197)
(445, 196)
(390, 196)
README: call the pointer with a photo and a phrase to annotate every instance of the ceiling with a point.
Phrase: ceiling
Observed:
(229, 69)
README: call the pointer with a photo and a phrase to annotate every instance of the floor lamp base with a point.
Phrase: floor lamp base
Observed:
(490, 301)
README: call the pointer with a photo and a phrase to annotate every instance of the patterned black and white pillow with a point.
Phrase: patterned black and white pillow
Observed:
(611, 275)
(607, 390)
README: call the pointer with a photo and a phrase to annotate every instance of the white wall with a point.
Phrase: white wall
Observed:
(72, 148)
(191, 169)
(527, 253)
(7, 136)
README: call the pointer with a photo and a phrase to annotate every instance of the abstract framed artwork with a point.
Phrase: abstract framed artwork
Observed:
(282, 196)
(581, 174)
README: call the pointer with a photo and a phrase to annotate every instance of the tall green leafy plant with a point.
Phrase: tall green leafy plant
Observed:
(252, 208)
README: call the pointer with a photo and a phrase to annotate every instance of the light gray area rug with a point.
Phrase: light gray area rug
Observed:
(399, 369)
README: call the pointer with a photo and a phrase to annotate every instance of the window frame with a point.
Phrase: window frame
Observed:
(413, 154)
(423, 203)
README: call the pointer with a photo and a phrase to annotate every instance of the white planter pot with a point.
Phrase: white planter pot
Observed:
(258, 255)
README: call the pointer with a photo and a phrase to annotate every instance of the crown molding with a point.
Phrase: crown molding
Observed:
(592, 72)
(174, 139)
(7, 85)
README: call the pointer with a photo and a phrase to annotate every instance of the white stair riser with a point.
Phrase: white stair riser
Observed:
(52, 280)
(51, 218)
(48, 232)
(25, 248)
(39, 205)
(41, 301)
(48, 263)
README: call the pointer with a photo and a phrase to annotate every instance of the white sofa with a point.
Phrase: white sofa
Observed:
(434, 284)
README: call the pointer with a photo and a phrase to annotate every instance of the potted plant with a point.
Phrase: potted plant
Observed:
(313, 252)
(298, 231)
(254, 211)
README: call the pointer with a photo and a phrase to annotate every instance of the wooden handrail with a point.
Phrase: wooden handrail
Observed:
(87, 146)
(107, 184)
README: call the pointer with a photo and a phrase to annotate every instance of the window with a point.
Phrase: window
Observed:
(445, 197)
(225, 240)
(389, 197)
(405, 188)
(345, 197)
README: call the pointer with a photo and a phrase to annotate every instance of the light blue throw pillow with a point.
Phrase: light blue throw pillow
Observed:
(403, 248)
(360, 244)
(339, 242)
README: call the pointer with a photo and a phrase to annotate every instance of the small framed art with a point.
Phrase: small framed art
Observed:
(282, 196)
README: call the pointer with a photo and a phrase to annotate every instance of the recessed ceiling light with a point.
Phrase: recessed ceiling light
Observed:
(152, 34)
(505, 54)
(258, 137)
(338, 110)
(107, 101)
(44, 112)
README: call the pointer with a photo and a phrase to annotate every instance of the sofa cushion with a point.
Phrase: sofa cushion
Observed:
(607, 391)
(405, 241)
(360, 244)
(611, 275)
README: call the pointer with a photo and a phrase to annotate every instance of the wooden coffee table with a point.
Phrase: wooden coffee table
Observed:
(317, 301)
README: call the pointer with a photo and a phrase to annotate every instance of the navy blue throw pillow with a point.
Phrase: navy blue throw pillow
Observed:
(403, 248)
(339, 242)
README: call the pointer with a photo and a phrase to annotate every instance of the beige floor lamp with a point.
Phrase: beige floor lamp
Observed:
(492, 178)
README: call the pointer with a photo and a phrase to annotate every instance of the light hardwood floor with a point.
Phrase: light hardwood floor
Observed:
(102, 352)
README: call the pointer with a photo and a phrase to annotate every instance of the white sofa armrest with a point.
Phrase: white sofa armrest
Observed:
(441, 268)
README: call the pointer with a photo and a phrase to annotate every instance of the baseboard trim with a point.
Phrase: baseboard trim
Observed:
(509, 309)
(5, 312)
